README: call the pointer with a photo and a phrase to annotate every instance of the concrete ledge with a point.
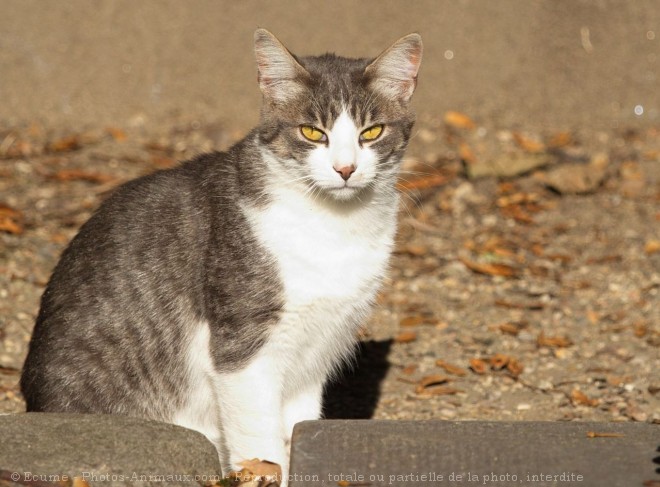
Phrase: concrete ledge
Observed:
(104, 450)
(472, 453)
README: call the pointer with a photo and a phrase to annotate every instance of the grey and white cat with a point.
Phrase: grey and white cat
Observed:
(222, 294)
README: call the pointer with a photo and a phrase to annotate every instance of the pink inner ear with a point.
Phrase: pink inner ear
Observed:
(413, 63)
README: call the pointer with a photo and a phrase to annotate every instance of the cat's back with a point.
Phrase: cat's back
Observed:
(156, 223)
(126, 288)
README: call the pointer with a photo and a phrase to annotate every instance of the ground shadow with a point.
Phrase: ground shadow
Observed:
(355, 393)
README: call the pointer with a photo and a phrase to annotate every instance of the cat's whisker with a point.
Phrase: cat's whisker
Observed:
(406, 194)
(432, 169)
(370, 102)
(310, 190)
(302, 178)
(317, 106)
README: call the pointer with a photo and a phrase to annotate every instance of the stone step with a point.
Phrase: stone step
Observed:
(474, 453)
(103, 450)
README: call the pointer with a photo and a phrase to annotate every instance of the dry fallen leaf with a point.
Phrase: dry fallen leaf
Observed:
(242, 478)
(553, 341)
(65, 144)
(432, 380)
(118, 134)
(433, 385)
(409, 369)
(451, 369)
(563, 258)
(514, 367)
(459, 120)
(561, 139)
(9, 212)
(79, 482)
(257, 473)
(10, 226)
(466, 153)
(593, 316)
(503, 252)
(406, 337)
(412, 320)
(10, 220)
(528, 144)
(162, 162)
(580, 398)
(509, 329)
(517, 199)
(640, 329)
(491, 269)
(415, 250)
(440, 391)
(263, 468)
(505, 187)
(478, 366)
(9, 370)
(499, 361)
(618, 381)
(512, 328)
(652, 247)
(517, 213)
(424, 182)
(79, 175)
(538, 250)
(604, 259)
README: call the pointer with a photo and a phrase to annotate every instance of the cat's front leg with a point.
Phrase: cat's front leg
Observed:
(250, 403)
(302, 405)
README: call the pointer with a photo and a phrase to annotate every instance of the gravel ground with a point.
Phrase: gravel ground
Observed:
(532, 293)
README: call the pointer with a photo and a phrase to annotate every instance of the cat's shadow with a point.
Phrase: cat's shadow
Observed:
(354, 395)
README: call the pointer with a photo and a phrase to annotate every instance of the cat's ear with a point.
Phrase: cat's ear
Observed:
(394, 72)
(280, 76)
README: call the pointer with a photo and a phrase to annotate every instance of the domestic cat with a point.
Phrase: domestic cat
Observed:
(222, 294)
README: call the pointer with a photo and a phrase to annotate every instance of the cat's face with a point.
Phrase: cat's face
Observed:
(337, 126)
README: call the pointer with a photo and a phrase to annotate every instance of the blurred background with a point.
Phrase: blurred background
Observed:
(547, 64)
(525, 283)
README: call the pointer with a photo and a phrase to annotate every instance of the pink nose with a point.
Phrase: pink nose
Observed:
(345, 171)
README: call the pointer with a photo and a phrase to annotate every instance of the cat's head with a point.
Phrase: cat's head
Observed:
(337, 125)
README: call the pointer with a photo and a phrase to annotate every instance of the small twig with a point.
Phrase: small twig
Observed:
(593, 434)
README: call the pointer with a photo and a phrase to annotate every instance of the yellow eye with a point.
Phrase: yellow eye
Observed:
(312, 133)
(372, 133)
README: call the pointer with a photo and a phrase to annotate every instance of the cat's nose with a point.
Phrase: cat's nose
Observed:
(345, 171)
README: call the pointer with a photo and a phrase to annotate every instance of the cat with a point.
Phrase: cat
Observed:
(222, 294)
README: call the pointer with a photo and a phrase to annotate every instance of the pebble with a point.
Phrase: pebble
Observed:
(447, 413)
(525, 336)
(638, 415)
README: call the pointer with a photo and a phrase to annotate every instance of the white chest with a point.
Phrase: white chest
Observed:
(323, 254)
(331, 265)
